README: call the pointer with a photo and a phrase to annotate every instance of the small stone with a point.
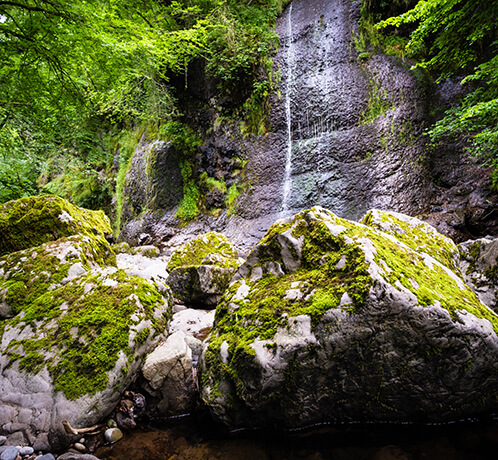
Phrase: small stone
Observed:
(82, 441)
(76, 456)
(46, 457)
(10, 453)
(112, 435)
(3, 440)
(26, 450)
(80, 447)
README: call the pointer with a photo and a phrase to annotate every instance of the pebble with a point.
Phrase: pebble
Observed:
(80, 447)
(3, 440)
(10, 453)
(113, 435)
(26, 450)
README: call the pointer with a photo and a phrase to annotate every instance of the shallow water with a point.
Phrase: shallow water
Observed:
(189, 439)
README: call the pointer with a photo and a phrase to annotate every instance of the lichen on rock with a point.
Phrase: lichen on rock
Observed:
(331, 320)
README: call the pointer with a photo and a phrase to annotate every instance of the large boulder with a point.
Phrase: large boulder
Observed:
(74, 331)
(31, 221)
(201, 269)
(331, 321)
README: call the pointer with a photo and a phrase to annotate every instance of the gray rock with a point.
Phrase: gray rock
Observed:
(201, 269)
(113, 435)
(26, 450)
(169, 374)
(363, 325)
(49, 457)
(479, 265)
(10, 453)
(75, 456)
(201, 285)
(35, 398)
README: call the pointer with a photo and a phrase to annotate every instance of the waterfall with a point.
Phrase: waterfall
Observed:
(290, 58)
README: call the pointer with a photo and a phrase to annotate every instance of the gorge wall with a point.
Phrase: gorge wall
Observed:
(346, 133)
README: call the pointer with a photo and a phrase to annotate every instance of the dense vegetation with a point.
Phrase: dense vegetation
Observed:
(82, 80)
(448, 38)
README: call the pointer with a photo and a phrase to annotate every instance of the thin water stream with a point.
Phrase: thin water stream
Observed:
(290, 62)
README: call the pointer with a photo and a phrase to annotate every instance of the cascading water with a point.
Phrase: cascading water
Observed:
(287, 185)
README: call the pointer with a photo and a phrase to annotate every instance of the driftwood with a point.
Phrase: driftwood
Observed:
(77, 431)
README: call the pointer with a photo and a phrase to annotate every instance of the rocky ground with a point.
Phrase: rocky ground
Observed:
(387, 310)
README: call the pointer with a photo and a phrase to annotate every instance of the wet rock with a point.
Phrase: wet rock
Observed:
(152, 182)
(113, 435)
(74, 456)
(49, 457)
(359, 325)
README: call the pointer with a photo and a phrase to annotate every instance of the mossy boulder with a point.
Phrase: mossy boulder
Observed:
(201, 269)
(31, 221)
(330, 320)
(74, 332)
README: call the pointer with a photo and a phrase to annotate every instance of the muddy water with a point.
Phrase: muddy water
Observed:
(188, 440)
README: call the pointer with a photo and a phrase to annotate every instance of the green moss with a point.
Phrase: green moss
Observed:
(31, 221)
(29, 274)
(378, 104)
(90, 329)
(195, 251)
(332, 269)
(142, 336)
(417, 235)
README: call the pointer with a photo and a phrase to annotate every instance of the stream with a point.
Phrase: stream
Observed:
(192, 439)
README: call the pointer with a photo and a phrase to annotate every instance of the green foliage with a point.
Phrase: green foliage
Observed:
(451, 35)
(78, 77)
(233, 193)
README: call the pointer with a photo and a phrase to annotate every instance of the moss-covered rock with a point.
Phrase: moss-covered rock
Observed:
(73, 334)
(31, 221)
(207, 249)
(330, 320)
(202, 269)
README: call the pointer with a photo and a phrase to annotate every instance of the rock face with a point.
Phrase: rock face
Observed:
(153, 180)
(345, 132)
(330, 320)
(202, 269)
(74, 332)
(479, 265)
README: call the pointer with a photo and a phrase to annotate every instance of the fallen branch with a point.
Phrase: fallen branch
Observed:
(77, 431)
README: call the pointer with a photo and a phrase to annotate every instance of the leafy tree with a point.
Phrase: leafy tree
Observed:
(454, 37)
